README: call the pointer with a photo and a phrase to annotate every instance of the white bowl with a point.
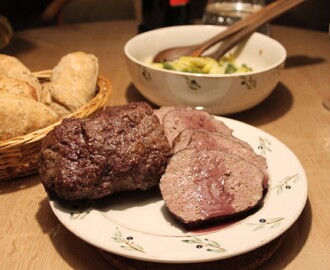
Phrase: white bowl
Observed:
(216, 93)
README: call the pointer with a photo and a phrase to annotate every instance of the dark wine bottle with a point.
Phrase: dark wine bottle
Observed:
(177, 12)
(161, 13)
(153, 14)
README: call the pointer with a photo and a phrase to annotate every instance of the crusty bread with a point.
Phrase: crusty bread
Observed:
(61, 110)
(13, 68)
(20, 115)
(73, 81)
(27, 105)
(16, 87)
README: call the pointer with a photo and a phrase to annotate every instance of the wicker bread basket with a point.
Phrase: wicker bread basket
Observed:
(19, 155)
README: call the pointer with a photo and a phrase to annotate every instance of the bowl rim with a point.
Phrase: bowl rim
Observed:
(237, 74)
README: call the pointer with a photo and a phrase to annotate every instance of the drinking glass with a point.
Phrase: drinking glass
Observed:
(227, 12)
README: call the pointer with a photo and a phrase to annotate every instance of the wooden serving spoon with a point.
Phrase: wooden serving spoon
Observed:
(235, 33)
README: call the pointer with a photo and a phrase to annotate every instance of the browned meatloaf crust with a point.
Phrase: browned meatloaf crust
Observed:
(203, 185)
(121, 148)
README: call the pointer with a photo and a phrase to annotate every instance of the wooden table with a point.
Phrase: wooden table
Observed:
(31, 236)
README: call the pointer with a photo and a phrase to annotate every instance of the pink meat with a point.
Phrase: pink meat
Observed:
(200, 139)
(202, 185)
(179, 119)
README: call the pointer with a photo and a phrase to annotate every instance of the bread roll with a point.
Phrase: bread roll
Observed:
(16, 87)
(20, 115)
(59, 109)
(13, 68)
(73, 81)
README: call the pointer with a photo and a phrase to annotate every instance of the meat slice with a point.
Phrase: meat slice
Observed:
(203, 185)
(179, 119)
(184, 138)
(162, 111)
(200, 139)
(121, 148)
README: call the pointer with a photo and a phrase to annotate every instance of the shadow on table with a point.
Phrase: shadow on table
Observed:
(18, 45)
(13, 185)
(295, 240)
(302, 60)
(273, 107)
(132, 94)
(75, 252)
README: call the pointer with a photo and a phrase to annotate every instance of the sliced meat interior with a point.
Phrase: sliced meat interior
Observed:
(162, 111)
(179, 119)
(203, 185)
(201, 139)
(184, 138)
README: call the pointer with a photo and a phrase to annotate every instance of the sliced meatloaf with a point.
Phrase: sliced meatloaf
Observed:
(201, 139)
(121, 148)
(179, 119)
(202, 185)
(160, 113)
(184, 138)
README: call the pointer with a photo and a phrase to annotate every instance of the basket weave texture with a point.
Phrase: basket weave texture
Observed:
(19, 155)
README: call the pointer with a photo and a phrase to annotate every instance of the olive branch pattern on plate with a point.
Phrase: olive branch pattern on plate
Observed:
(127, 243)
(286, 183)
(266, 223)
(264, 146)
(79, 210)
(211, 245)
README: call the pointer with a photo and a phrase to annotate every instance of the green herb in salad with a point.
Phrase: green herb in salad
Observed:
(204, 65)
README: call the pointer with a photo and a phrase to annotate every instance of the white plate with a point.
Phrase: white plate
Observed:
(137, 224)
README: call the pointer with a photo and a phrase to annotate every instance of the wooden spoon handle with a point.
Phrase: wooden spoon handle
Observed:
(244, 27)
